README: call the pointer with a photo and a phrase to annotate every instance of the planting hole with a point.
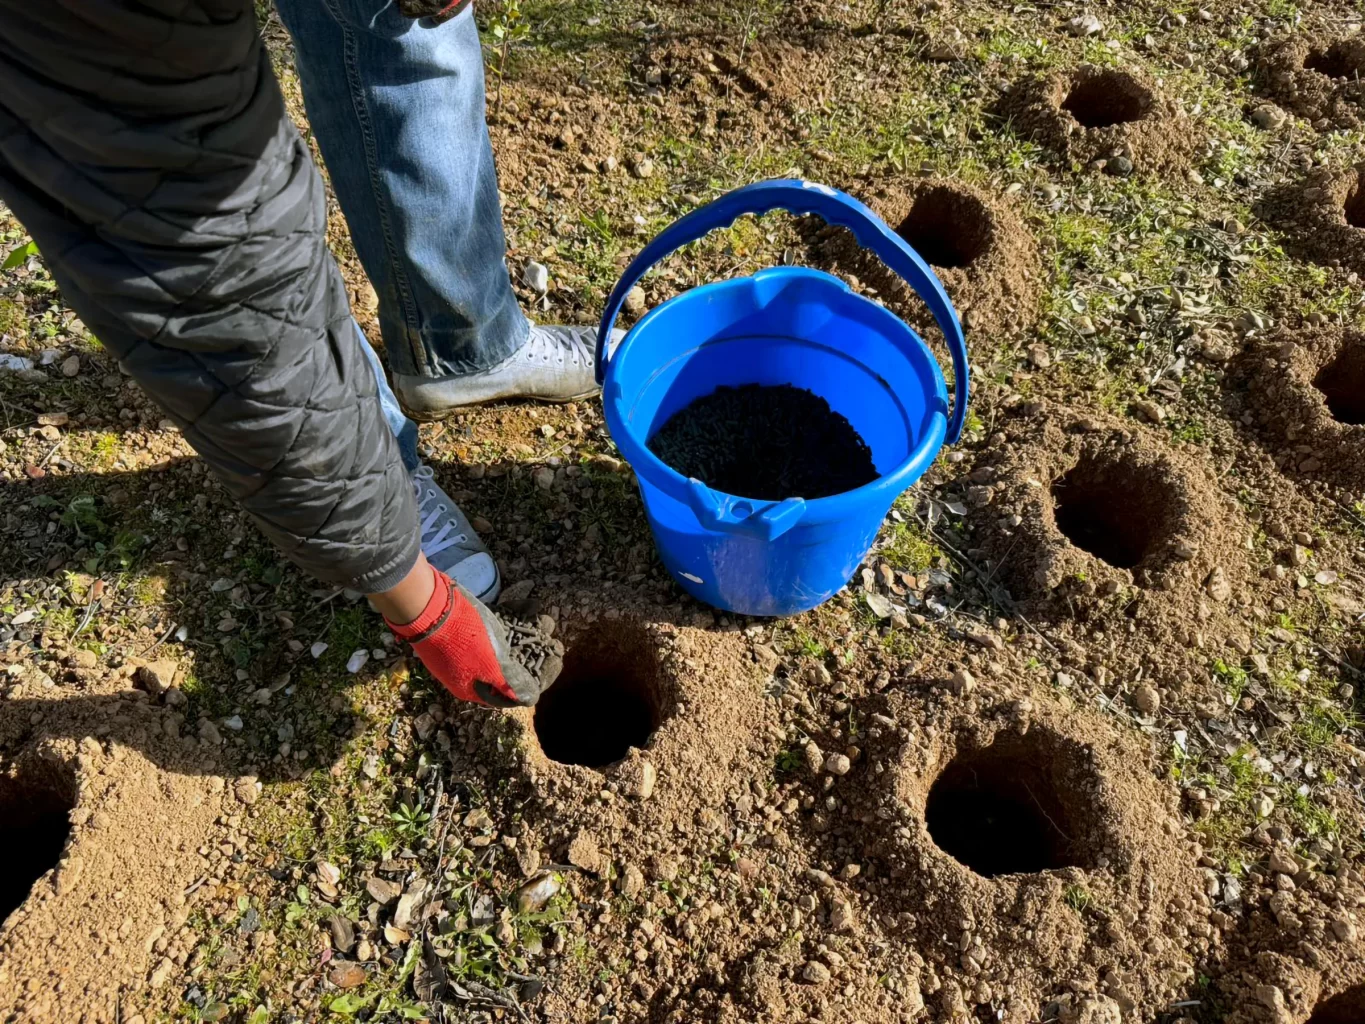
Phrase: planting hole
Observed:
(1346, 1008)
(1355, 203)
(1008, 809)
(1340, 60)
(35, 804)
(608, 699)
(947, 227)
(1107, 98)
(1342, 383)
(1111, 510)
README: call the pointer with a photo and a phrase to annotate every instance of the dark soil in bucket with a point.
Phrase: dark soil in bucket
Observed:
(766, 442)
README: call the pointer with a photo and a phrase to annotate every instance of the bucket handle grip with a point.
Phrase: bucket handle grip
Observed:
(835, 208)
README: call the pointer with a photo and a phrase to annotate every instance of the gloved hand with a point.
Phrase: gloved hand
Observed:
(464, 646)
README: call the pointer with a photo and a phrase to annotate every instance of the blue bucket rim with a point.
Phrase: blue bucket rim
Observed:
(822, 510)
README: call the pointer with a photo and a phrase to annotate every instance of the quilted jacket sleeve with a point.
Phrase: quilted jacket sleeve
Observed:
(145, 146)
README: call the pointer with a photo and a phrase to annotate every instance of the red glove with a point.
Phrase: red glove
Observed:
(463, 645)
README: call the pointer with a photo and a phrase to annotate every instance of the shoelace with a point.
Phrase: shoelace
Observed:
(551, 342)
(434, 541)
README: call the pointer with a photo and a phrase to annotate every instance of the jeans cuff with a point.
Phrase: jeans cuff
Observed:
(456, 353)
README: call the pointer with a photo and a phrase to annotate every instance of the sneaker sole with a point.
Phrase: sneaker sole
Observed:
(436, 415)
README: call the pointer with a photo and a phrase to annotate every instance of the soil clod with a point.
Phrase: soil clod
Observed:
(606, 700)
(34, 826)
(1000, 811)
(767, 442)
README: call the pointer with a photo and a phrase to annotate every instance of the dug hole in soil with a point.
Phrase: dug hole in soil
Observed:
(1306, 400)
(1117, 121)
(1317, 76)
(1322, 216)
(977, 244)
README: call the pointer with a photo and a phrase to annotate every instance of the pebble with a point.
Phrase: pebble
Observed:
(1217, 585)
(638, 778)
(815, 973)
(156, 677)
(1282, 862)
(1119, 166)
(635, 301)
(82, 658)
(317, 650)
(543, 477)
(71, 366)
(1085, 25)
(537, 277)
(643, 167)
(1147, 699)
(962, 682)
(357, 661)
(838, 764)
(1268, 117)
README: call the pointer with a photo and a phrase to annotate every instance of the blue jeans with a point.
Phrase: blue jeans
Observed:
(397, 106)
(403, 428)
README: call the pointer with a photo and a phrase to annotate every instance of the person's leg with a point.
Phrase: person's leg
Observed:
(145, 147)
(397, 106)
(448, 540)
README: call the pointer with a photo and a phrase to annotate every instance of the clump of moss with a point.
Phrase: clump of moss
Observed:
(13, 320)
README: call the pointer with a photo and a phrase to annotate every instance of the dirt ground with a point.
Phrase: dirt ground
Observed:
(1080, 742)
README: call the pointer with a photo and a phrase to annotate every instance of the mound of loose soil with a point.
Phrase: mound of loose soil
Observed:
(1307, 399)
(1091, 115)
(104, 812)
(976, 243)
(1300, 956)
(765, 442)
(1316, 78)
(1323, 217)
(1025, 853)
(1079, 507)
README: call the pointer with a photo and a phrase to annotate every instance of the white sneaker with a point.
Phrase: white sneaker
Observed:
(555, 365)
(450, 543)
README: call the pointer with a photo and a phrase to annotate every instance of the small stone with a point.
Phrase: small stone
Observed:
(1344, 929)
(1282, 862)
(1039, 357)
(247, 790)
(838, 764)
(815, 973)
(1119, 166)
(1147, 699)
(1326, 578)
(632, 881)
(1268, 117)
(814, 757)
(635, 301)
(234, 722)
(841, 916)
(317, 650)
(543, 477)
(1184, 550)
(53, 419)
(638, 777)
(71, 366)
(1217, 585)
(962, 682)
(208, 732)
(1150, 411)
(347, 975)
(643, 167)
(358, 660)
(536, 277)
(156, 677)
(608, 165)
(481, 525)
(1085, 25)
(82, 658)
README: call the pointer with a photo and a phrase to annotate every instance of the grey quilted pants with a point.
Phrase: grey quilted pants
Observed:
(145, 147)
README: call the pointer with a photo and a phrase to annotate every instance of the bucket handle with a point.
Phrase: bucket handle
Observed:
(835, 208)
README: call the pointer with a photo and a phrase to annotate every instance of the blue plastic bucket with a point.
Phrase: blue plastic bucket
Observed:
(787, 325)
